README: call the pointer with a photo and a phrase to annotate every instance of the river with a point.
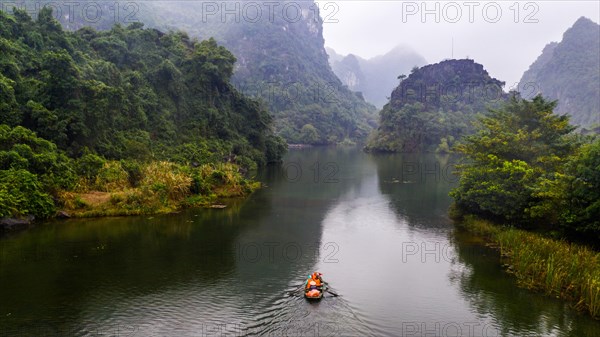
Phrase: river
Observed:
(376, 226)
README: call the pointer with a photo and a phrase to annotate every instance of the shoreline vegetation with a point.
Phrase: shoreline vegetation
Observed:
(531, 185)
(39, 181)
(555, 267)
(157, 187)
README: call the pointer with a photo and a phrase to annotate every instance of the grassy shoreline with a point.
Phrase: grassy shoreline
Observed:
(159, 188)
(557, 268)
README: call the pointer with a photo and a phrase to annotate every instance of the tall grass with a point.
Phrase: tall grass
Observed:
(158, 187)
(168, 178)
(558, 268)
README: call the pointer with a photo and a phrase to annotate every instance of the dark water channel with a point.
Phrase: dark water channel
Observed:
(374, 225)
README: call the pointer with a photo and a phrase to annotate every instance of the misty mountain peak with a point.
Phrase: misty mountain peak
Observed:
(584, 22)
(377, 76)
(569, 71)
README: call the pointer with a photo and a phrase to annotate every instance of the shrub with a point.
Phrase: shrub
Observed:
(88, 166)
(111, 177)
(135, 171)
(21, 194)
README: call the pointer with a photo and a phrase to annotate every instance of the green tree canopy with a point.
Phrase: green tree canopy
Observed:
(128, 92)
(515, 149)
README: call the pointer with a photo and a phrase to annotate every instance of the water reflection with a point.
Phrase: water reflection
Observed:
(379, 234)
(418, 186)
(59, 271)
(516, 312)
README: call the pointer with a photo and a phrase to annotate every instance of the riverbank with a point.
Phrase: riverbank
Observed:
(121, 188)
(557, 268)
(160, 187)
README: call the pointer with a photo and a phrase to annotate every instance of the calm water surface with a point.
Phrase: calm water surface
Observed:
(374, 225)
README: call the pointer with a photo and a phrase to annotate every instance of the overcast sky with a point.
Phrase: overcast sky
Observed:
(485, 31)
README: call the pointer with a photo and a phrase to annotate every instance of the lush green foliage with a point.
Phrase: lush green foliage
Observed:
(525, 167)
(129, 93)
(570, 72)
(435, 106)
(282, 62)
(576, 194)
(70, 101)
(22, 194)
(21, 149)
(30, 169)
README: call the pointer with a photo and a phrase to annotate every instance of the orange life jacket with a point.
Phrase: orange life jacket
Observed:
(312, 279)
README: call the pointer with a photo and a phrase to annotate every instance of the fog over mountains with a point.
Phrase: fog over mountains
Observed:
(377, 76)
(319, 96)
(569, 71)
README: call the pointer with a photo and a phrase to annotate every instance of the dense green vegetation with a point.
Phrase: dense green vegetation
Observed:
(526, 168)
(569, 71)
(282, 62)
(72, 100)
(555, 267)
(434, 106)
(31, 169)
(37, 178)
(528, 183)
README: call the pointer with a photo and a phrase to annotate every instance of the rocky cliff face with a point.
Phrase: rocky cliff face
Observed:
(281, 59)
(348, 70)
(569, 71)
(465, 81)
(435, 106)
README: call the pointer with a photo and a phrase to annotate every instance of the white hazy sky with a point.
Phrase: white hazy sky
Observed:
(484, 31)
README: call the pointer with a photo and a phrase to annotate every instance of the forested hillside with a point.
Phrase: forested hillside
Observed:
(281, 60)
(569, 71)
(130, 94)
(434, 106)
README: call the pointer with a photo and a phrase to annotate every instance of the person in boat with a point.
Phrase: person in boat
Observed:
(314, 277)
(318, 277)
(312, 290)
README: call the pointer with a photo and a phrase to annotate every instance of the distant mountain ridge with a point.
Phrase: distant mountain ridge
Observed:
(377, 76)
(569, 71)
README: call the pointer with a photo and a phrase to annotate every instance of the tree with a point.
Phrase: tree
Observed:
(22, 194)
(20, 148)
(9, 113)
(309, 134)
(581, 217)
(516, 148)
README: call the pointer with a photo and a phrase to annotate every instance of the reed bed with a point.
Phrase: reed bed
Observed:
(558, 268)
